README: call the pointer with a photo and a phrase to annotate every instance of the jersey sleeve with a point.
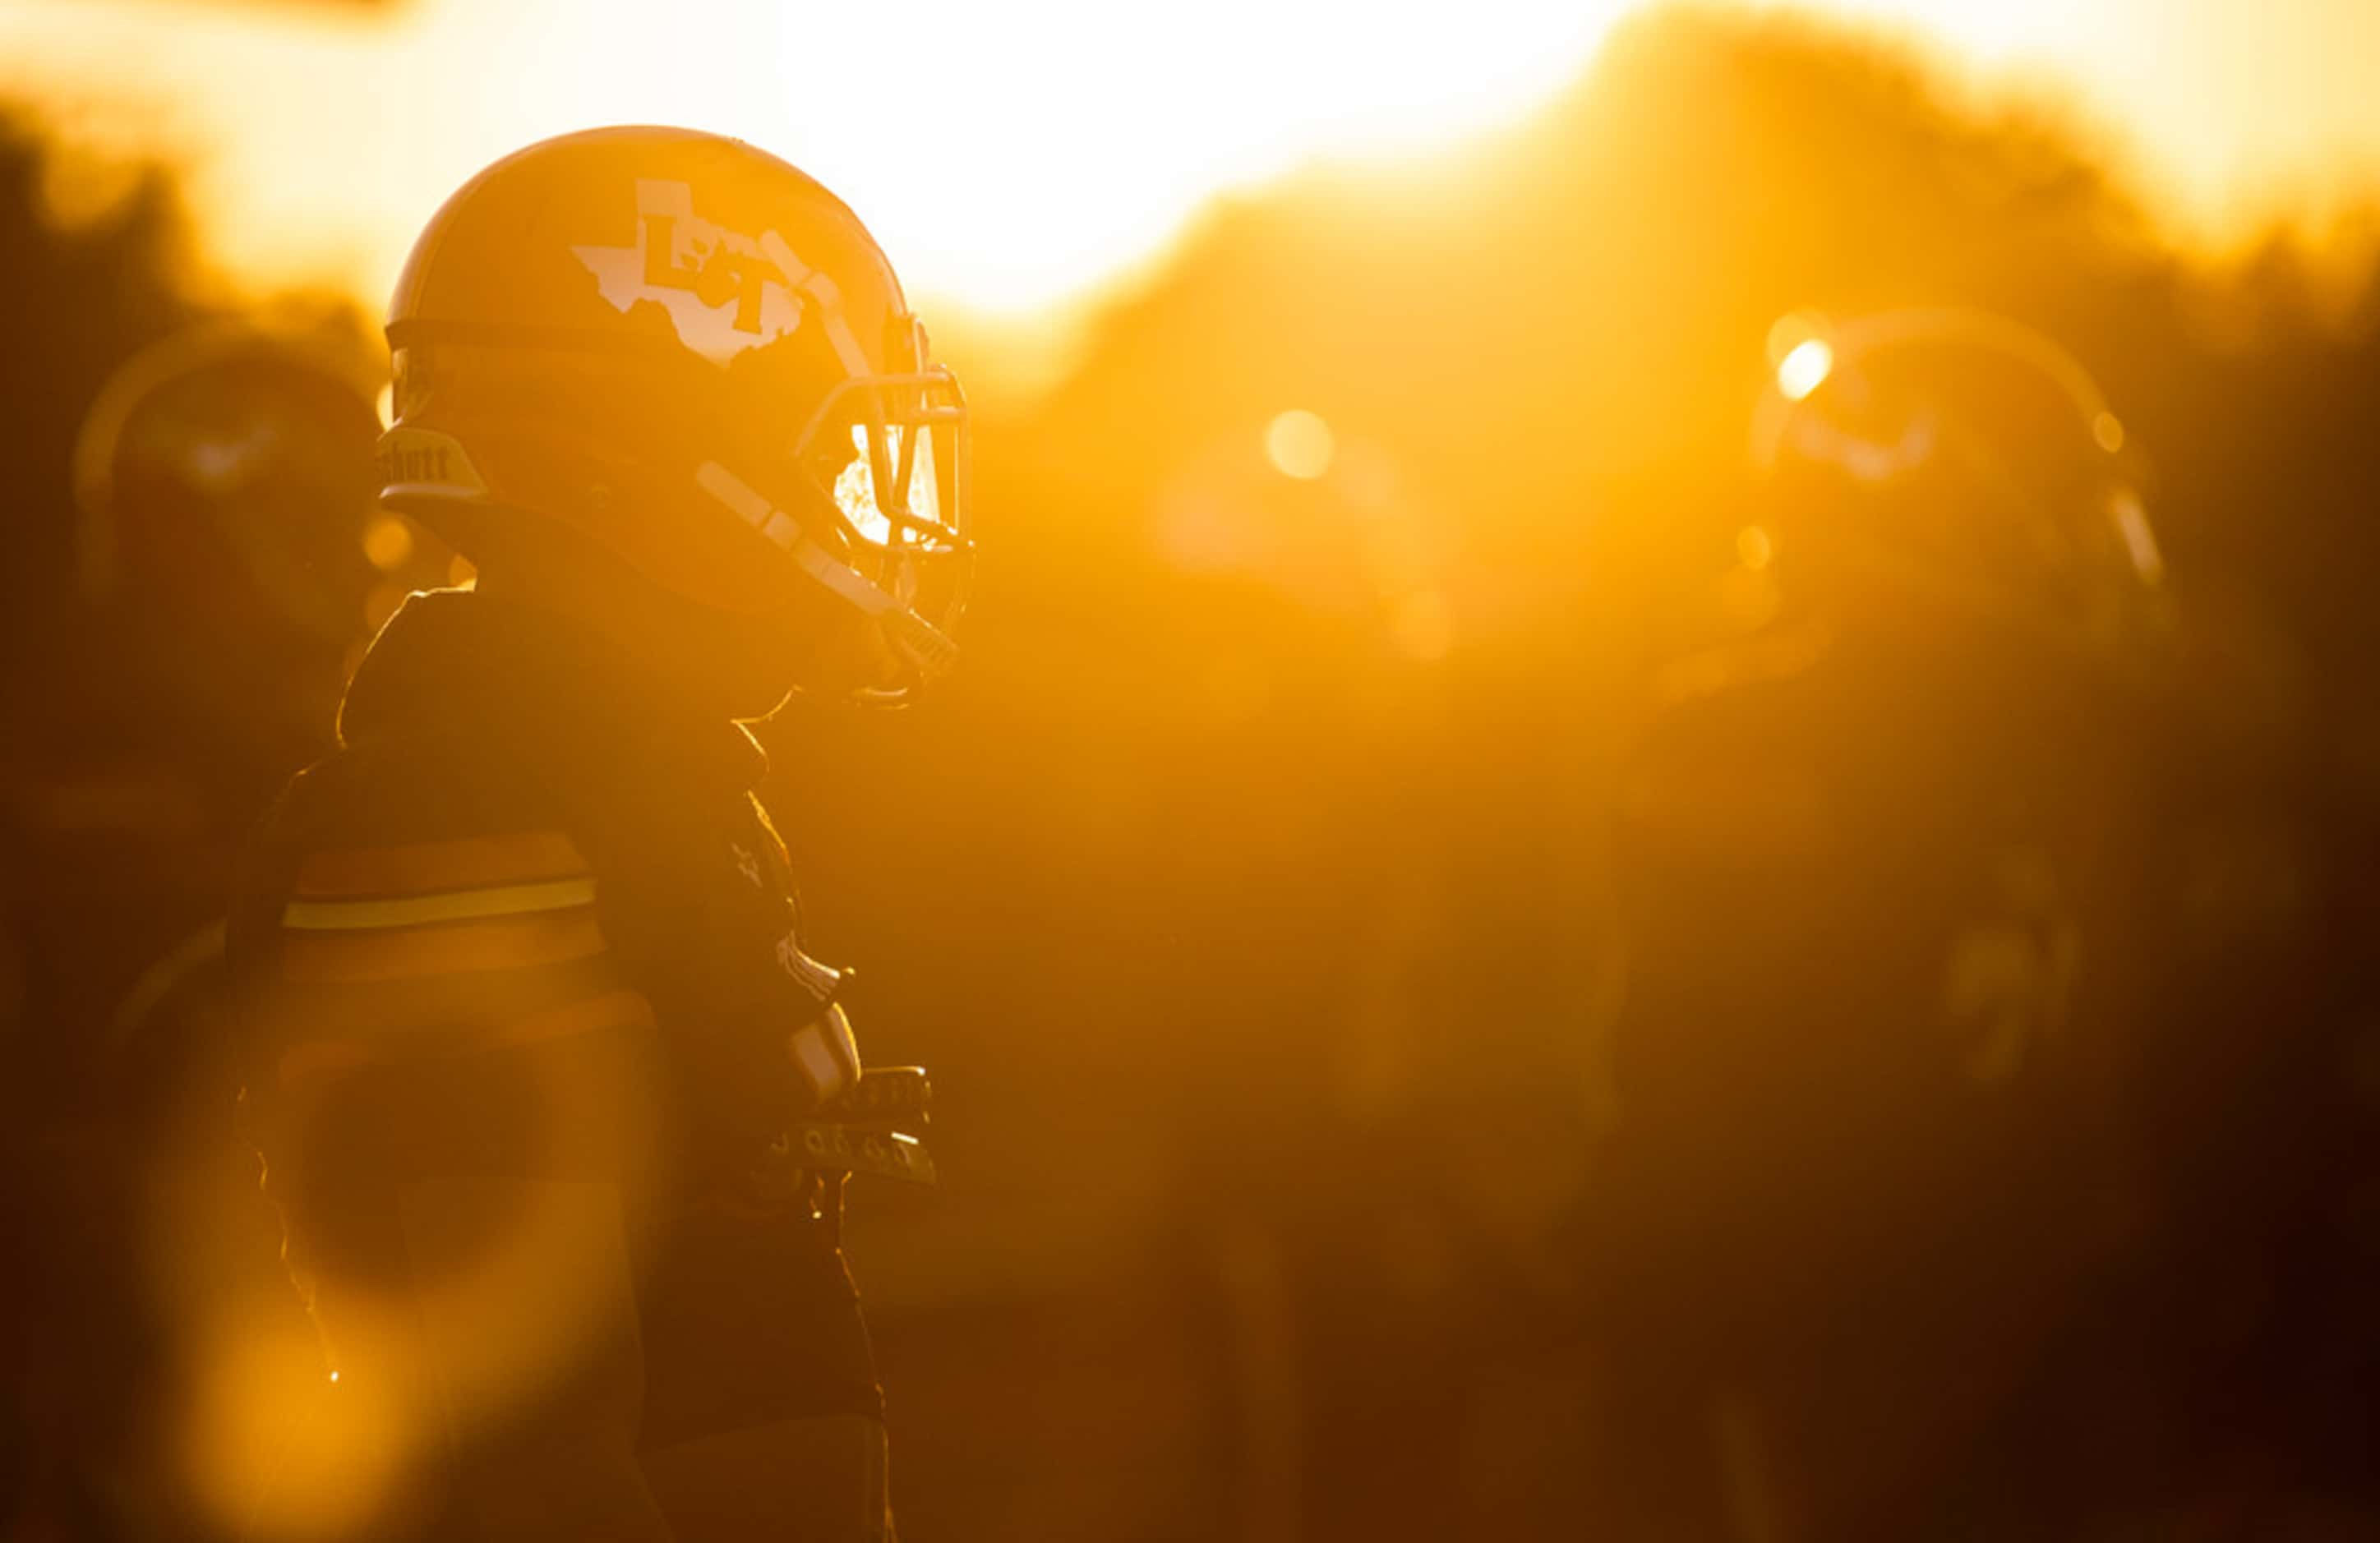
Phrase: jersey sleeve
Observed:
(361, 942)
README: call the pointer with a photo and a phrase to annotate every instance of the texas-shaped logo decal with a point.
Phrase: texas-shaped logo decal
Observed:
(722, 292)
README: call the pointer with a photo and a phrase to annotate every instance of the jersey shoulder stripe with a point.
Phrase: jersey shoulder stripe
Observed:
(521, 858)
(467, 904)
(413, 910)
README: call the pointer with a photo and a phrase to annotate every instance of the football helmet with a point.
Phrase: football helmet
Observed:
(223, 476)
(1962, 469)
(690, 354)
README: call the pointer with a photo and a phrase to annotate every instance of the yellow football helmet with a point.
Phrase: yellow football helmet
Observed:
(687, 353)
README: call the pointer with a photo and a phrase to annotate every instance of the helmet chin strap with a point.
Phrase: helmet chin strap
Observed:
(928, 650)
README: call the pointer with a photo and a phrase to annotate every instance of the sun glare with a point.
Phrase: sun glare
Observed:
(1804, 368)
(1007, 155)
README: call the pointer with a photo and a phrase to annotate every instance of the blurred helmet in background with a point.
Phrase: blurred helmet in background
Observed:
(683, 352)
(1920, 692)
(1939, 581)
(225, 489)
(1962, 476)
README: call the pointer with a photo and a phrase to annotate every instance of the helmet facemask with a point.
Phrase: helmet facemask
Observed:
(885, 463)
(869, 501)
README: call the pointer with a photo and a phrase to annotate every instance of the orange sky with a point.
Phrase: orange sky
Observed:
(1012, 155)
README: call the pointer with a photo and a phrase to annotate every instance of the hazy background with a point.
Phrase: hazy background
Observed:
(1246, 892)
(1019, 156)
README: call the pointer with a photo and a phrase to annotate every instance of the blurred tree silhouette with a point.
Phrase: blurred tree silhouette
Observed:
(76, 300)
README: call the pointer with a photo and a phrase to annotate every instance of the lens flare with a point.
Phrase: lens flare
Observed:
(388, 542)
(1300, 444)
(2132, 524)
(270, 1449)
(1804, 368)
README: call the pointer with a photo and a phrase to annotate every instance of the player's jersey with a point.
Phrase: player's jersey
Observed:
(529, 926)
